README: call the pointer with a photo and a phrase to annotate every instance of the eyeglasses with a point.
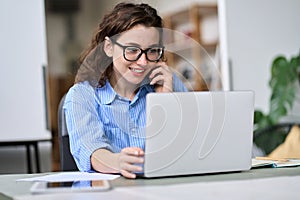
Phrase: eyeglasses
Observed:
(133, 53)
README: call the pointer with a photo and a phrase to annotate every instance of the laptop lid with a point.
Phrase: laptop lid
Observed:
(198, 132)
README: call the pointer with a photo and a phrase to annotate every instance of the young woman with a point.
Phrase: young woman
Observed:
(105, 109)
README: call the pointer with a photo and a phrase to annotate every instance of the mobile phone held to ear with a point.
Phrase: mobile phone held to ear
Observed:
(76, 186)
(148, 80)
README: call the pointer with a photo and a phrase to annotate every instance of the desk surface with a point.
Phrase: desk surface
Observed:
(246, 185)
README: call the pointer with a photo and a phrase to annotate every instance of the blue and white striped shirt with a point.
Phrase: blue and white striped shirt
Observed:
(100, 118)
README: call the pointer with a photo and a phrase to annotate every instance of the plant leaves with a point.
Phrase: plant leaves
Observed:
(278, 72)
(284, 77)
(282, 83)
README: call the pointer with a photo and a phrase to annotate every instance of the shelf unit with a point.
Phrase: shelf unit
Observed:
(191, 40)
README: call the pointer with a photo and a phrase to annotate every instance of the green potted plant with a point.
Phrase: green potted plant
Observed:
(285, 75)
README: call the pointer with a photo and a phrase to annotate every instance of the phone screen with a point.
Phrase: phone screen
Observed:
(77, 184)
(59, 184)
(94, 185)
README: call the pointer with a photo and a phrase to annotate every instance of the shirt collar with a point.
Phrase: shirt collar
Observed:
(143, 91)
(107, 94)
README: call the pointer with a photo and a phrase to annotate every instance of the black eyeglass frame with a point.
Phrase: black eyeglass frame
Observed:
(141, 53)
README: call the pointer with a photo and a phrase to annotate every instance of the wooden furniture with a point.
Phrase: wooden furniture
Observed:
(191, 43)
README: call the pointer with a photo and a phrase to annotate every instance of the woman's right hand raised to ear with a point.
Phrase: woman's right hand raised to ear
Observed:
(162, 78)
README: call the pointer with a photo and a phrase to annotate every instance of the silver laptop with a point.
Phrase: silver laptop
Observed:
(198, 132)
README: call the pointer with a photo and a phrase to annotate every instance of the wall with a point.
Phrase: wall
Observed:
(256, 32)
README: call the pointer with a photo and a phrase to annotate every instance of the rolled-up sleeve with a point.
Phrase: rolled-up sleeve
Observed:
(84, 127)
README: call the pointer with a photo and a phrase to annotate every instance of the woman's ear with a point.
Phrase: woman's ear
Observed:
(108, 48)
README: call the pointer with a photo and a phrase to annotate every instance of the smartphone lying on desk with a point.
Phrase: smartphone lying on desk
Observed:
(75, 186)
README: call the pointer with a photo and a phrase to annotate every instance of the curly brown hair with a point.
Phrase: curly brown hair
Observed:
(95, 65)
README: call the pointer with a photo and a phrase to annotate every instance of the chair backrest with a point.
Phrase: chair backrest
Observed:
(67, 162)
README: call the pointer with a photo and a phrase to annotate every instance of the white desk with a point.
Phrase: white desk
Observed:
(271, 183)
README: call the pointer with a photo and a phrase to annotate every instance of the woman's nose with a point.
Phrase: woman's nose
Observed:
(142, 60)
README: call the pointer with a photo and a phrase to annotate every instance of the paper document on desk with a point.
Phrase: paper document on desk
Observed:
(71, 176)
(257, 163)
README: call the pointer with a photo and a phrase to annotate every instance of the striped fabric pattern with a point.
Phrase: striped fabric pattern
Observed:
(100, 118)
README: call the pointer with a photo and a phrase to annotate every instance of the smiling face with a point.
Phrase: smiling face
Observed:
(132, 73)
